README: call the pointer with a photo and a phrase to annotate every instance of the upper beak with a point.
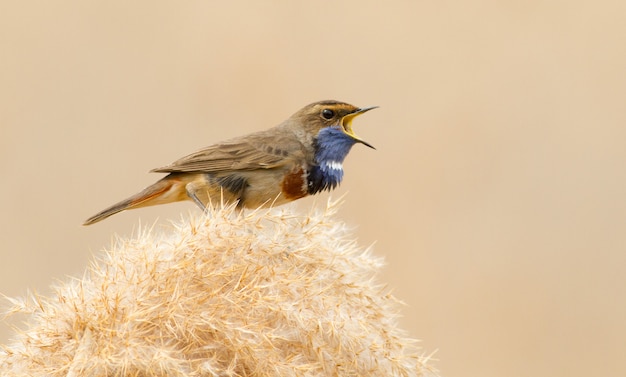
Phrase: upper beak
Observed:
(346, 122)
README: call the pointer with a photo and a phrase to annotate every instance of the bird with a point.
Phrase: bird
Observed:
(301, 156)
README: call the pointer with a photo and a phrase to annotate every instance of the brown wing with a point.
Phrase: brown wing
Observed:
(263, 150)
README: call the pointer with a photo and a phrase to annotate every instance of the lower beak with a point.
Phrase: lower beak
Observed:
(346, 122)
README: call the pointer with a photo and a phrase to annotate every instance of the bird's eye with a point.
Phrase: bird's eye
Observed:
(328, 114)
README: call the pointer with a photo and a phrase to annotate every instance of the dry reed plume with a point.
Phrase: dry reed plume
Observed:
(264, 293)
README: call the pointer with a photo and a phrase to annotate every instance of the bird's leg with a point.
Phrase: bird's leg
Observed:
(192, 189)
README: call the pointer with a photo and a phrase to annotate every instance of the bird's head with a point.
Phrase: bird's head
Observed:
(334, 115)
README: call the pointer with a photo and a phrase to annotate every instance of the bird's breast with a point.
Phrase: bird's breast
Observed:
(294, 184)
(325, 176)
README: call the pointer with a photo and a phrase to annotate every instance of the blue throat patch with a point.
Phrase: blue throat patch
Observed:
(331, 148)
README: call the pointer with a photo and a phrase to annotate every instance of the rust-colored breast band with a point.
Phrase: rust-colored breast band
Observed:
(293, 185)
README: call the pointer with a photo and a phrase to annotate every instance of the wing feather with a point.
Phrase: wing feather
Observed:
(252, 152)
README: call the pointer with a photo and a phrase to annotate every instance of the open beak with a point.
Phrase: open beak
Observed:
(346, 123)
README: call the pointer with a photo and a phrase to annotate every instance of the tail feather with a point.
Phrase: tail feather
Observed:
(149, 196)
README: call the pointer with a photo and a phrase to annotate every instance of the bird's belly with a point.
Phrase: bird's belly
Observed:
(275, 188)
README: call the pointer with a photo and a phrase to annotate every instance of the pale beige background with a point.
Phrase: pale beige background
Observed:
(497, 193)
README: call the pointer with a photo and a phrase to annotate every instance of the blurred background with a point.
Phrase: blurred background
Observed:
(497, 193)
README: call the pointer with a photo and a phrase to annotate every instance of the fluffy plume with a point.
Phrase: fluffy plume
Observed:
(263, 293)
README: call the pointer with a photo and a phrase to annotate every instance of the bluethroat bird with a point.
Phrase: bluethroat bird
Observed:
(302, 156)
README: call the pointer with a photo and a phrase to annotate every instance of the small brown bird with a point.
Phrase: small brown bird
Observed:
(299, 157)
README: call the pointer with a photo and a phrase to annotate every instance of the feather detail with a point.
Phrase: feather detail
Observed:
(255, 151)
(331, 148)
